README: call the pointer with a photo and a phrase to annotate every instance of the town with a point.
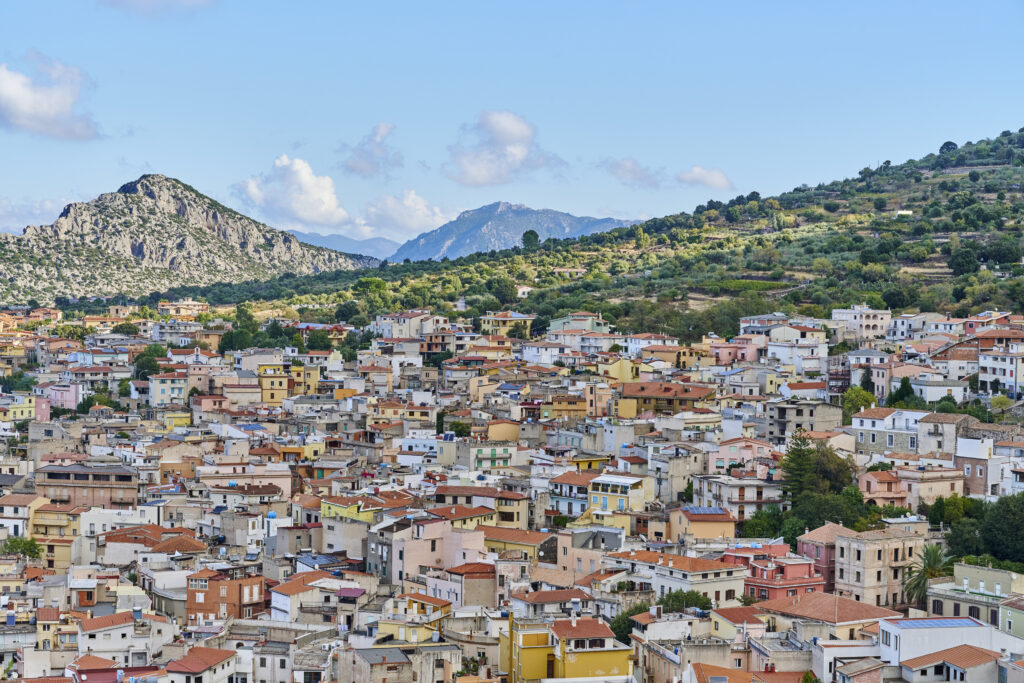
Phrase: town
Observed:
(470, 503)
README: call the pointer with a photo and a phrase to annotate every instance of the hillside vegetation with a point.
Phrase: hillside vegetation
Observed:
(940, 233)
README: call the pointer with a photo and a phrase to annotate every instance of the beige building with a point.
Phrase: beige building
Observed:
(925, 483)
(977, 592)
(870, 564)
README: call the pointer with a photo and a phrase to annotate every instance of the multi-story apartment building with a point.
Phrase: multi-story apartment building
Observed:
(786, 416)
(974, 592)
(722, 582)
(999, 369)
(233, 592)
(740, 496)
(862, 321)
(820, 545)
(870, 565)
(106, 486)
(569, 492)
(887, 430)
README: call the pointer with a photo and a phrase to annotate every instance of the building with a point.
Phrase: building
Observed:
(887, 430)
(502, 322)
(577, 647)
(231, 592)
(870, 565)
(976, 592)
(741, 497)
(722, 582)
(863, 322)
(786, 416)
(820, 546)
(203, 665)
(105, 486)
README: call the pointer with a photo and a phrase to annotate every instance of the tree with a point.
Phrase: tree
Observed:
(642, 239)
(880, 203)
(622, 626)
(677, 601)
(26, 547)
(931, 562)
(856, 399)
(127, 329)
(1001, 402)
(319, 340)
(124, 387)
(460, 429)
(901, 394)
(880, 467)
(963, 261)
(518, 331)
(809, 677)
(747, 600)
(866, 383)
(964, 538)
(503, 289)
(765, 523)
(346, 311)
(244, 318)
(1000, 529)
(947, 147)
(531, 240)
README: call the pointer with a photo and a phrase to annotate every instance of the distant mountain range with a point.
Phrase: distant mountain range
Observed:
(153, 234)
(378, 247)
(498, 226)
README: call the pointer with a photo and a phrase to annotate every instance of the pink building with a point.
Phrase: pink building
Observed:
(882, 488)
(781, 577)
(42, 409)
(740, 450)
(66, 396)
(820, 547)
(728, 352)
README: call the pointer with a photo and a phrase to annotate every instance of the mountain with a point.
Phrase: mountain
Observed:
(378, 247)
(152, 234)
(498, 226)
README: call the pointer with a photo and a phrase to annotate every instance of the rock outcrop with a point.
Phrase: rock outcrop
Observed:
(152, 234)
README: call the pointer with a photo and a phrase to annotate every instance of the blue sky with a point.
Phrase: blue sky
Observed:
(388, 118)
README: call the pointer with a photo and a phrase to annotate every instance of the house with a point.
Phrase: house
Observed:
(722, 582)
(203, 664)
(870, 565)
(820, 546)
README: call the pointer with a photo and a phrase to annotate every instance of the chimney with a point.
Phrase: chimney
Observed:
(574, 620)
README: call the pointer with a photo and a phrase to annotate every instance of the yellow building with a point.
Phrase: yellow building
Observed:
(501, 322)
(22, 408)
(503, 430)
(697, 522)
(413, 617)
(590, 461)
(358, 508)
(463, 517)
(305, 452)
(566, 648)
(513, 510)
(533, 544)
(661, 398)
(620, 369)
(274, 381)
(620, 492)
(305, 379)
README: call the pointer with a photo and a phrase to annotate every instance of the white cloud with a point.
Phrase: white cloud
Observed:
(45, 105)
(495, 149)
(633, 174)
(292, 194)
(404, 216)
(372, 156)
(15, 216)
(708, 177)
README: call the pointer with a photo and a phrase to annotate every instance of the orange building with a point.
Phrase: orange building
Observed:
(236, 593)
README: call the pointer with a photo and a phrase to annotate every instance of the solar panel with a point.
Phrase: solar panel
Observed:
(935, 623)
(700, 510)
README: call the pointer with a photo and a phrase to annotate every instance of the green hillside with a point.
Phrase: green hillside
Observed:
(940, 233)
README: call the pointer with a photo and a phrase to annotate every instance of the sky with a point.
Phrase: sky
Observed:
(388, 118)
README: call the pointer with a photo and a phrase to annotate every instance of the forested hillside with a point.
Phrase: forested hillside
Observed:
(940, 233)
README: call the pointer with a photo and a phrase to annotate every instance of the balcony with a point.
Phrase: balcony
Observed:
(960, 595)
(318, 608)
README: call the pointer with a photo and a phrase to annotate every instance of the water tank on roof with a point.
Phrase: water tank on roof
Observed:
(271, 515)
(232, 483)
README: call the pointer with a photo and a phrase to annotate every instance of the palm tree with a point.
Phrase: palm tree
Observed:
(932, 562)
